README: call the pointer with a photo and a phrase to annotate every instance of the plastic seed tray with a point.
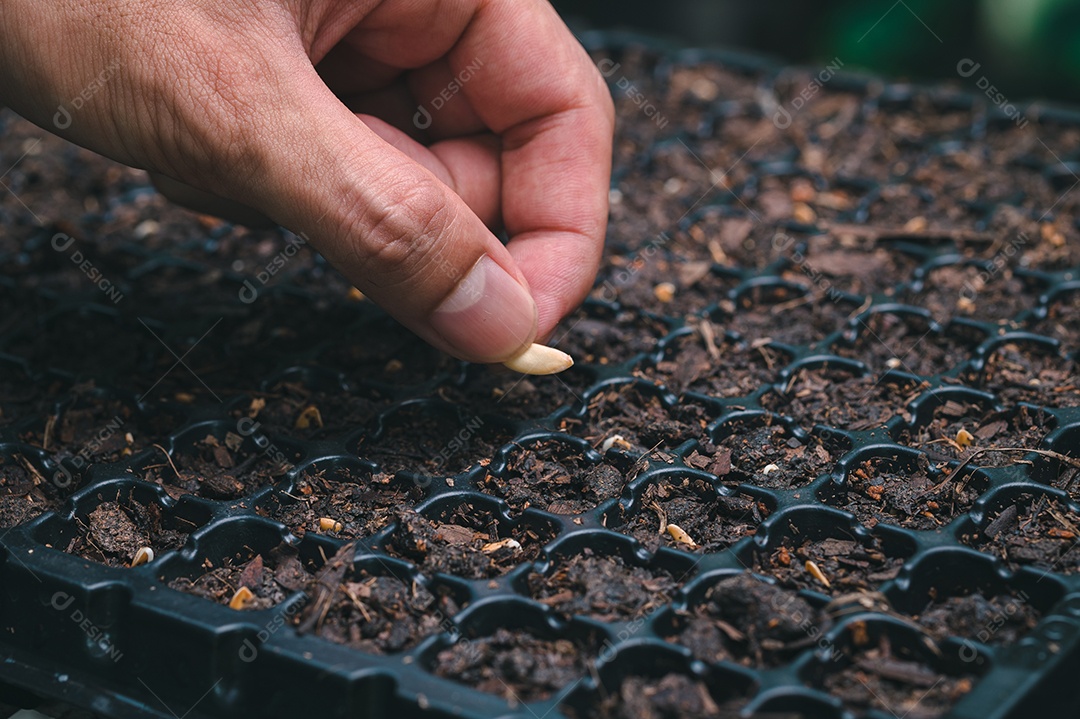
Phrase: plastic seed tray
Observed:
(816, 457)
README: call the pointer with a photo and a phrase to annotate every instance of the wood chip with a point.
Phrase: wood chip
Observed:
(455, 534)
(252, 574)
(1005, 520)
(991, 429)
(721, 464)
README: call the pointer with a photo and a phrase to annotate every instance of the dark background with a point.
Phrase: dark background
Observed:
(1027, 48)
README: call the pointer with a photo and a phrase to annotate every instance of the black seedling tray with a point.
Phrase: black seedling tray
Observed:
(823, 426)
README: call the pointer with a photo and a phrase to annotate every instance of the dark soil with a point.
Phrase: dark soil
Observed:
(711, 521)
(848, 262)
(673, 695)
(765, 455)
(999, 620)
(469, 542)
(905, 343)
(270, 578)
(22, 398)
(731, 240)
(880, 678)
(555, 477)
(432, 440)
(1039, 532)
(361, 504)
(606, 589)
(678, 287)
(382, 615)
(966, 291)
(714, 367)
(592, 338)
(495, 390)
(24, 492)
(788, 317)
(959, 430)
(94, 427)
(220, 469)
(847, 565)
(514, 665)
(750, 622)
(292, 409)
(381, 352)
(838, 398)
(1060, 321)
(879, 490)
(115, 531)
(637, 420)
(129, 349)
(377, 614)
(1025, 372)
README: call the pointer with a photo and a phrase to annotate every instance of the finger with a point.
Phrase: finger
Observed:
(439, 101)
(470, 166)
(426, 102)
(388, 223)
(538, 90)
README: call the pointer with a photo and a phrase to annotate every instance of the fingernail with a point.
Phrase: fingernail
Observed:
(489, 317)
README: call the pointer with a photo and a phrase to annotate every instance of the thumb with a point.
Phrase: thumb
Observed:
(389, 225)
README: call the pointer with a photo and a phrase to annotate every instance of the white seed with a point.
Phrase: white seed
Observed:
(538, 359)
(770, 468)
(145, 555)
(610, 442)
(679, 535)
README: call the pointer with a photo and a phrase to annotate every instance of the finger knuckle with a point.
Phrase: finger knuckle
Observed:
(401, 231)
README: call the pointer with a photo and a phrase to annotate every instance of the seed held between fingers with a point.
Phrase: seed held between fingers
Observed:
(539, 359)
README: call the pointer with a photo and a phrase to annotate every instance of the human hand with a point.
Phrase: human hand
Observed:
(241, 100)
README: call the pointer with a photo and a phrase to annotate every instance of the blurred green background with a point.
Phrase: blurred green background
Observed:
(1027, 48)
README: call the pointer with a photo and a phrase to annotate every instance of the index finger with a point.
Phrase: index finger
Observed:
(529, 81)
(547, 100)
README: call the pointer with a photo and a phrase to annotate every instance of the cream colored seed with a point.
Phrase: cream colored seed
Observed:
(145, 555)
(679, 535)
(241, 598)
(329, 525)
(538, 359)
(816, 573)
